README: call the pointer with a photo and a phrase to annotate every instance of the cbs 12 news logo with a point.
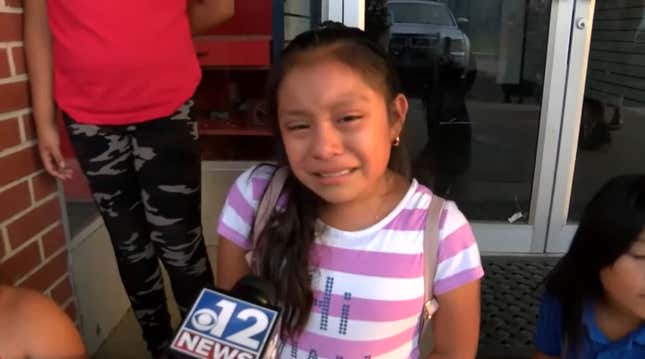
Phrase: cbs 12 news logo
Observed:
(220, 326)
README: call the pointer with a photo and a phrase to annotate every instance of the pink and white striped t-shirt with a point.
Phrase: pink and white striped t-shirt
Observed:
(368, 284)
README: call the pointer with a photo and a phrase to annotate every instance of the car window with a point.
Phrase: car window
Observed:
(434, 14)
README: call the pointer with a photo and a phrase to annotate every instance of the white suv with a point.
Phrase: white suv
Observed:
(422, 29)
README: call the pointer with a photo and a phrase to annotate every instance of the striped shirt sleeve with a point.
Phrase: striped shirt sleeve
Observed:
(458, 259)
(243, 198)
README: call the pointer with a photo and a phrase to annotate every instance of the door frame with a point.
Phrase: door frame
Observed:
(560, 231)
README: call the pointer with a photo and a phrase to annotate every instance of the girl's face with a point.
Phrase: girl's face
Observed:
(336, 130)
(624, 281)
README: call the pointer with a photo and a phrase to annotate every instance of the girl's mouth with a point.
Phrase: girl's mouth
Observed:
(335, 173)
(334, 177)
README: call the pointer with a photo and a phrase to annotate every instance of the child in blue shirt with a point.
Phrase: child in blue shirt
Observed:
(594, 305)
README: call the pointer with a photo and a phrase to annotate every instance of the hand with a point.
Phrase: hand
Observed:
(50, 154)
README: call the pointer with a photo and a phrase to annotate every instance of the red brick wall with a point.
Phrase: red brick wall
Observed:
(32, 241)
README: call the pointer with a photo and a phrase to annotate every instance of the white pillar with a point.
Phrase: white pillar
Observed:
(349, 12)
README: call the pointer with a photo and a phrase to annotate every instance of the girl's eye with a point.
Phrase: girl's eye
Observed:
(638, 256)
(297, 126)
(350, 118)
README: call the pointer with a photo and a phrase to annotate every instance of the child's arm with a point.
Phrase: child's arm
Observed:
(455, 326)
(47, 331)
(54, 334)
(236, 222)
(39, 63)
(231, 264)
(204, 14)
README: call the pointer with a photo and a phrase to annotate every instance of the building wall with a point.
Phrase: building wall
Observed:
(33, 250)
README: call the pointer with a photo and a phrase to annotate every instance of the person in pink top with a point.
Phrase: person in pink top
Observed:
(123, 73)
(344, 245)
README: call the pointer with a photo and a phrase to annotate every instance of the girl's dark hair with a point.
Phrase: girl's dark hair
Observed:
(283, 250)
(609, 226)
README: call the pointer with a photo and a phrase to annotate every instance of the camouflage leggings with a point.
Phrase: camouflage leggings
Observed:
(145, 179)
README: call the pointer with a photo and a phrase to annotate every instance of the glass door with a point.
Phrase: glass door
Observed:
(604, 116)
(486, 83)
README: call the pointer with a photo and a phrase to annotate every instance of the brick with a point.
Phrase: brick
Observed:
(15, 96)
(18, 54)
(70, 309)
(25, 227)
(49, 274)
(18, 198)
(14, 3)
(5, 70)
(11, 29)
(19, 264)
(19, 164)
(53, 240)
(29, 126)
(9, 133)
(62, 292)
(44, 185)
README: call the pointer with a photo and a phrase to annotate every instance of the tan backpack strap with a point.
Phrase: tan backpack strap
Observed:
(268, 202)
(430, 251)
(264, 211)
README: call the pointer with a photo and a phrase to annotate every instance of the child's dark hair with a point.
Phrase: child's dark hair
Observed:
(610, 225)
(283, 250)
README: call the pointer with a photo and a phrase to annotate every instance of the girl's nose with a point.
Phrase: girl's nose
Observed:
(327, 142)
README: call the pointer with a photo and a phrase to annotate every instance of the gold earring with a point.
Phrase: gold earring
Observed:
(397, 141)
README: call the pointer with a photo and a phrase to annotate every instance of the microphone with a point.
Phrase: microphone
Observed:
(231, 325)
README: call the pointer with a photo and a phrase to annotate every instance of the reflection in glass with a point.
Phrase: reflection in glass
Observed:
(419, 13)
(473, 72)
(612, 126)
